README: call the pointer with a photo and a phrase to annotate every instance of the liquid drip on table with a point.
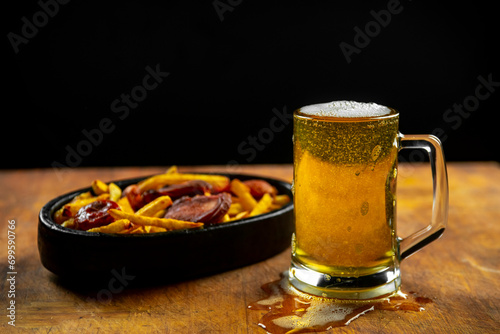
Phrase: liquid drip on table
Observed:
(292, 311)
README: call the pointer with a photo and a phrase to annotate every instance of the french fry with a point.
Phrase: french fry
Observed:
(84, 195)
(150, 209)
(70, 223)
(125, 205)
(99, 187)
(138, 230)
(240, 215)
(171, 170)
(170, 224)
(160, 213)
(243, 192)
(157, 181)
(155, 229)
(281, 199)
(130, 229)
(114, 192)
(115, 227)
(70, 209)
(262, 206)
(274, 207)
(234, 209)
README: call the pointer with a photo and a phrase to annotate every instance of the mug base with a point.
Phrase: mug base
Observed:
(381, 284)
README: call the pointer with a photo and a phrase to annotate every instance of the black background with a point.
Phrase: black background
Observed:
(230, 63)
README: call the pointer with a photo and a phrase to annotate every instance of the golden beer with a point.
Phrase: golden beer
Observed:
(345, 172)
(345, 169)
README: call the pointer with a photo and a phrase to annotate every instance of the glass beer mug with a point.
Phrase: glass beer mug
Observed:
(345, 243)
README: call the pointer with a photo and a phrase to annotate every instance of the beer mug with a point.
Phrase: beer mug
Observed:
(345, 243)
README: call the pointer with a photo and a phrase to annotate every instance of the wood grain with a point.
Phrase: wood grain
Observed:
(460, 272)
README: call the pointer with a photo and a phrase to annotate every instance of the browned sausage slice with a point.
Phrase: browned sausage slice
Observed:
(201, 209)
(260, 187)
(134, 196)
(189, 188)
(94, 214)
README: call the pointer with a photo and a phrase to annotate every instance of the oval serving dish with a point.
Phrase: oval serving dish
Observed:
(166, 256)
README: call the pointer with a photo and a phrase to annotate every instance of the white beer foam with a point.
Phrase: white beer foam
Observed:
(345, 109)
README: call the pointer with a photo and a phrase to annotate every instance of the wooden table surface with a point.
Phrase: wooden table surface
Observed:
(460, 272)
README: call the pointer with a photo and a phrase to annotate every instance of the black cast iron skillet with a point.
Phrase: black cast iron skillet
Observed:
(167, 256)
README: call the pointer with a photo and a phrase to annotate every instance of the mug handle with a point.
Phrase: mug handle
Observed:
(421, 238)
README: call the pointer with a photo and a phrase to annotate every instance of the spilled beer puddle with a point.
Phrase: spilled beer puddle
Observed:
(292, 311)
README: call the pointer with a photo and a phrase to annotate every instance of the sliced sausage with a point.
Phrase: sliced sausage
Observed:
(134, 196)
(201, 209)
(175, 191)
(260, 187)
(95, 214)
